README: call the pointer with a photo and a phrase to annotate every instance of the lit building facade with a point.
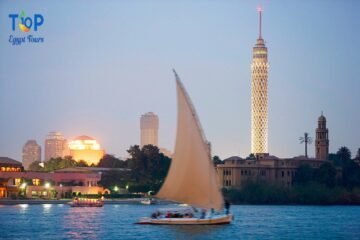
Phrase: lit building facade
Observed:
(31, 152)
(149, 125)
(259, 96)
(62, 183)
(86, 148)
(55, 146)
(322, 139)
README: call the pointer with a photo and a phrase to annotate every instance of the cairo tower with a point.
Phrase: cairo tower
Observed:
(259, 95)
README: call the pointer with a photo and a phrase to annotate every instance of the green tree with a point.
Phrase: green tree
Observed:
(217, 160)
(110, 161)
(59, 163)
(149, 166)
(351, 175)
(326, 174)
(35, 166)
(82, 163)
(358, 155)
(304, 175)
(251, 157)
(344, 155)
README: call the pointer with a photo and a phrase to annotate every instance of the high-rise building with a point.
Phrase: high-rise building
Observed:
(31, 152)
(322, 139)
(259, 95)
(149, 125)
(86, 148)
(55, 146)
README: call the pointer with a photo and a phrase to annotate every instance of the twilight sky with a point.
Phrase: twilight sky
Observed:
(104, 63)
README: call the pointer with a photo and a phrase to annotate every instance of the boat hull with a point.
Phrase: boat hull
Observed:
(216, 220)
(86, 205)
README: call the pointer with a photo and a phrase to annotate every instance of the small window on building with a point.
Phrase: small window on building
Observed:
(282, 174)
(17, 181)
(36, 182)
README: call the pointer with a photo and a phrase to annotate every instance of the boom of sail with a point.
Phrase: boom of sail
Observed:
(191, 178)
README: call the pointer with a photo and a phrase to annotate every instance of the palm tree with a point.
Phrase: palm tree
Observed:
(305, 139)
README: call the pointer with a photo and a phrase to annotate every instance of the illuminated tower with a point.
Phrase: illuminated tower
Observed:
(322, 139)
(149, 124)
(259, 95)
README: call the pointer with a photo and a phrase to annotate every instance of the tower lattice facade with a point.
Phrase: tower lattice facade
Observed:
(259, 96)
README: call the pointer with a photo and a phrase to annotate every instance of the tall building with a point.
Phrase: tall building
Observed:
(322, 139)
(259, 95)
(86, 148)
(55, 145)
(149, 125)
(31, 152)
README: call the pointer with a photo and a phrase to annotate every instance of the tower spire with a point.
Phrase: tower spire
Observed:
(260, 12)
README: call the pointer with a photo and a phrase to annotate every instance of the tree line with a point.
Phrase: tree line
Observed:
(144, 170)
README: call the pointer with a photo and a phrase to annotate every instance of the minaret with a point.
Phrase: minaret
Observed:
(259, 95)
(322, 139)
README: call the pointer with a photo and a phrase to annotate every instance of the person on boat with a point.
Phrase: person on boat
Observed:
(227, 207)
(203, 213)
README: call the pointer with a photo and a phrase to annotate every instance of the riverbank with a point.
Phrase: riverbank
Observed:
(65, 201)
(309, 194)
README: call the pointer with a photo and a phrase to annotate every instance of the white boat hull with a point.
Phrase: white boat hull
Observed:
(215, 220)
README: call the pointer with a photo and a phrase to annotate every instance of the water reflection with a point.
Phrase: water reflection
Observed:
(47, 208)
(84, 220)
(23, 207)
(195, 231)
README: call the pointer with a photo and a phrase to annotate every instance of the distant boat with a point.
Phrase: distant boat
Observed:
(191, 178)
(87, 202)
(149, 201)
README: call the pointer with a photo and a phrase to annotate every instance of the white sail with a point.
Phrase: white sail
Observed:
(191, 178)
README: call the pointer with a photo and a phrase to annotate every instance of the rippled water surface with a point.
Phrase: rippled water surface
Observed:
(50, 221)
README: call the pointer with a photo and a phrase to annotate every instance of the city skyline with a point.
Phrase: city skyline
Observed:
(118, 76)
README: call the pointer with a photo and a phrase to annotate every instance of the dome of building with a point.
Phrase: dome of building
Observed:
(322, 118)
(84, 137)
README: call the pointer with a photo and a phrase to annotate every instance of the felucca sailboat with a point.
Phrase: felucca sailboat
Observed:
(191, 178)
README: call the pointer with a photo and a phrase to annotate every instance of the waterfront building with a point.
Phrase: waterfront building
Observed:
(55, 146)
(259, 95)
(86, 148)
(31, 152)
(322, 139)
(235, 172)
(149, 125)
(8, 165)
(14, 181)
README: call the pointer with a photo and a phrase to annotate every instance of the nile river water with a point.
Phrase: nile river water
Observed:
(51, 221)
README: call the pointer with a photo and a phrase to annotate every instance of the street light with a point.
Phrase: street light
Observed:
(47, 185)
(116, 188)
(23, 185)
